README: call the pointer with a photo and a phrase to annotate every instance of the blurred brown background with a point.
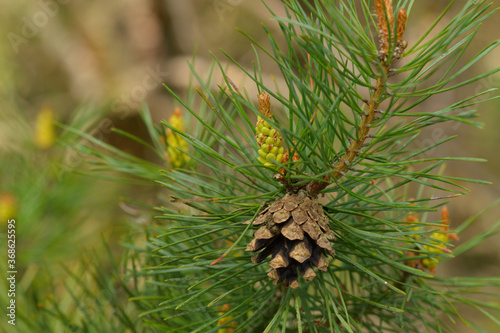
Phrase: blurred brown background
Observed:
(64, 54)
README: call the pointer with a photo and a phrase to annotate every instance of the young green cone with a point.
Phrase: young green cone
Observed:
(177, 158)
(268, 138)
(440, 238)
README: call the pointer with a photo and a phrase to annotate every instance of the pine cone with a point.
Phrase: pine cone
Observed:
(295, 232)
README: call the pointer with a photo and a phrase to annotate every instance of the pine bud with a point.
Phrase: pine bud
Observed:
(268, 138)
(385, 19)
(45, 136)
(8, 207)
(227, 319)
(177, 158)
(440, 238)
(412, 219)
(286, 157)
(385, 15)
(402, 18)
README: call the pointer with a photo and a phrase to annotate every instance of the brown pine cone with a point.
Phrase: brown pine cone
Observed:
(295, 232)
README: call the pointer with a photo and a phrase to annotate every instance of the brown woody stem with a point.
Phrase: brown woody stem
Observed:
(341, 166)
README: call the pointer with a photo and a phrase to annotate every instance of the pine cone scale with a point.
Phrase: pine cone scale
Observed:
(324, 243)
(281, 216)
(309, 274)
(280, 260)
(277, 205)
(263, 233)
(292, 230)
(301, 251)
(324, 224)
(261, 219)
(291, 202)
(257, 244)
(313, 214)
(312, 229)
(271, 248)
(299, 216)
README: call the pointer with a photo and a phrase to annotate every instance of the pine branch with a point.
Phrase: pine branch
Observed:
(265, 176)
(386, 22)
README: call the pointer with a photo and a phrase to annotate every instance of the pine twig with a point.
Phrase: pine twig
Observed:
(342, 165)
(386, 22)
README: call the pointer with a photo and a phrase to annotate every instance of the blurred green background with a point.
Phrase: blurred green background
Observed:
(91, 64)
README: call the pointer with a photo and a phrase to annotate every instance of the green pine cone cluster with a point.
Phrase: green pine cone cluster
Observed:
(431, 263)
(269, 139)
(439, 239)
